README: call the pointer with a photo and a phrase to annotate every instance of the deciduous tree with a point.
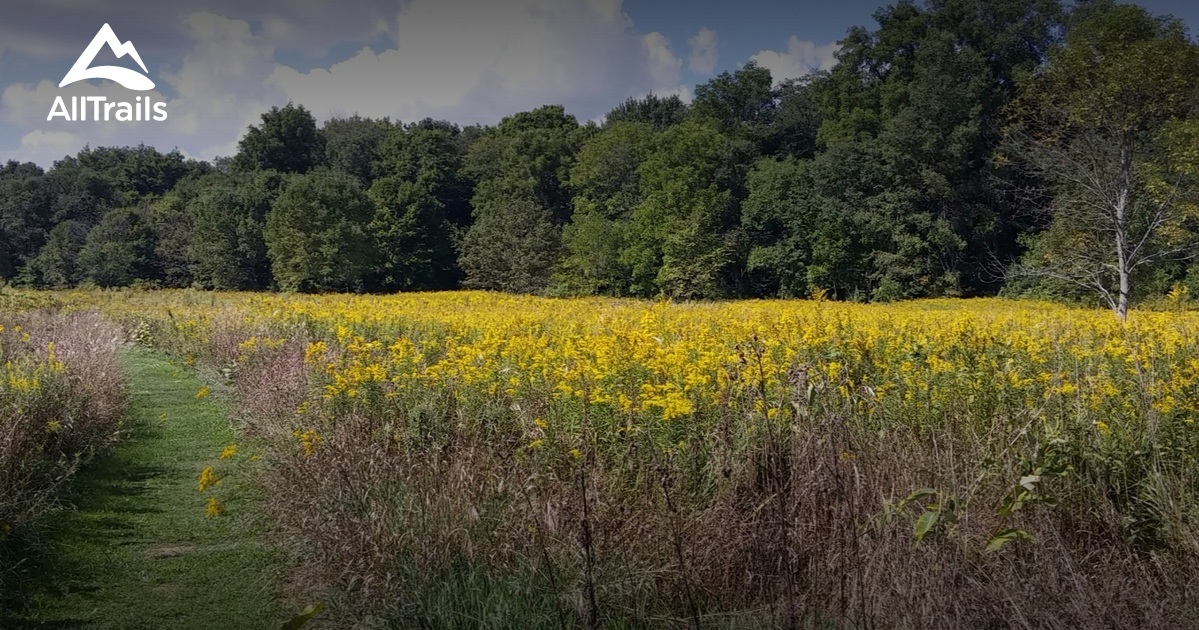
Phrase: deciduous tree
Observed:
(1096, 125)
(287, 141)
(316, 233)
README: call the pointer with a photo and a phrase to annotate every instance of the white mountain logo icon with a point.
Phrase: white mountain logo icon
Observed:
(126, 77)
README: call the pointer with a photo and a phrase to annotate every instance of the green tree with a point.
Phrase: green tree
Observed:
(658, 111)
(679, 243)
(287, 141)
(739, 102)
(170, 221)
(228, 216)
(521, 199)
(118, 250)
(78, 193)
(355, 145)
(75, 198)
(56, 264)
(135, 172)
(422, 201)
(1097, 125)
(431, 154)
(607, 188)
(24, 215)
(316, 233)
(415, 241)
(513, 244)
(843, 222)
(923, 93)
(530, 152)
(796, 121)
(781, 215)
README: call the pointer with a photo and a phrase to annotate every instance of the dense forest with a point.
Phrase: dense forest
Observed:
(958, 148)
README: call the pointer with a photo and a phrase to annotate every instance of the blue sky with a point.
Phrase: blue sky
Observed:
(219, 63)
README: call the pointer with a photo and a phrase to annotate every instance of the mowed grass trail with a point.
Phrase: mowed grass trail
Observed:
(138, 550)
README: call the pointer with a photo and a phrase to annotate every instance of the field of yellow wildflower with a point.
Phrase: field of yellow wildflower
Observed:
(433, 458)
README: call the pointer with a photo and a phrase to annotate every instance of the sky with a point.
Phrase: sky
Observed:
(218, 64)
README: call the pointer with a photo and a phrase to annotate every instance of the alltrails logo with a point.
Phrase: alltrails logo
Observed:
(99, 107)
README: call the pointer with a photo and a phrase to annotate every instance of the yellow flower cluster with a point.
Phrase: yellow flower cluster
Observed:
(674, 361)
(25, 370)
(208, 478)
(646, 365)
(308, 440)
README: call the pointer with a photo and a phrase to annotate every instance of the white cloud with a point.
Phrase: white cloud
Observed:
(802, 58)
(44, 147)
(218, 68)
(219, 84)
(218, 91)
(475, 62)
(703, 52)
(57, 29)
(684, 92)
(664, 66)
(26, 107)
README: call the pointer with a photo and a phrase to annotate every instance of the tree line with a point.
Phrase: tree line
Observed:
(958, 148)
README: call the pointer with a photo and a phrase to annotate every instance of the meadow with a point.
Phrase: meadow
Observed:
(450, 459)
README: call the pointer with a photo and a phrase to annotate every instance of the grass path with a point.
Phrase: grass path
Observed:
(139, 551)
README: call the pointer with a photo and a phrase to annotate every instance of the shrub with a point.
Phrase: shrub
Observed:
(61, 398)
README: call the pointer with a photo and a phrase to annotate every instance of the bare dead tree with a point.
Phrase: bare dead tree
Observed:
(1093, 128)
(1106, 223)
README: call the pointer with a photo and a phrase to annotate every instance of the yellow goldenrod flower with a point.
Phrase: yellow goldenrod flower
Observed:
(208, 478)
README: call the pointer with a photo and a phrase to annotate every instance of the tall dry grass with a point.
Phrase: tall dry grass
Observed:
(62, 395)
(429, 502)
(806, 527)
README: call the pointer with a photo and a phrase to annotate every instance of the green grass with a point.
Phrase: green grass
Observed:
(136, 550)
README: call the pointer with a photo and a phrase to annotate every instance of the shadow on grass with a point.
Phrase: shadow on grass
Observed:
(56, 556)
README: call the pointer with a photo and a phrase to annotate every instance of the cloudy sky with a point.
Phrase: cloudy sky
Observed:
(218, 64)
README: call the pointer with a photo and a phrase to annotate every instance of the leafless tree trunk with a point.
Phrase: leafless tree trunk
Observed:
(1120, 212)
(1108, 225)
